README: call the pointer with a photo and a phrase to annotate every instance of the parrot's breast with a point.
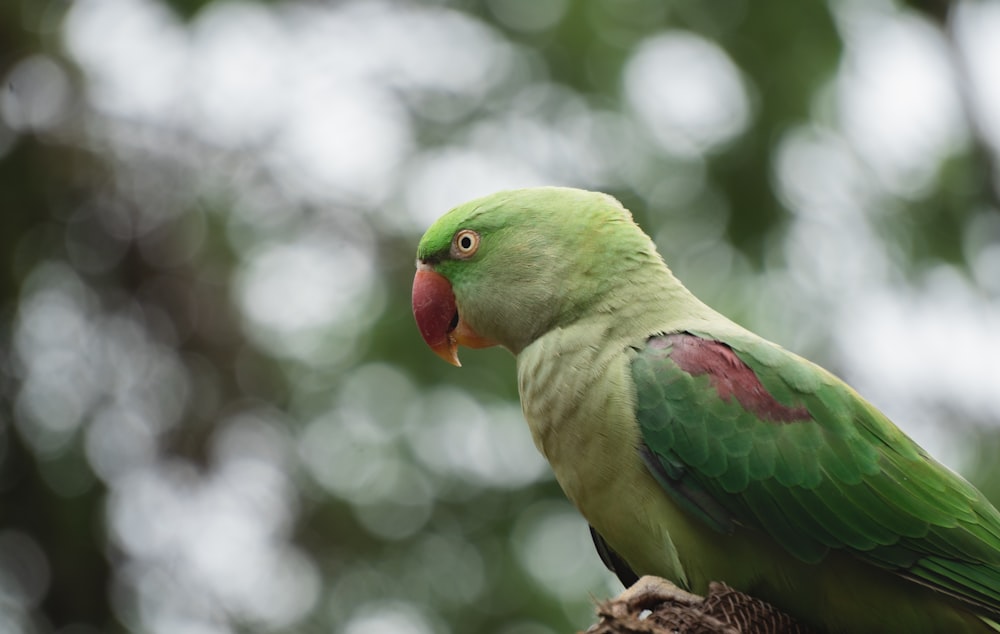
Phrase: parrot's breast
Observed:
(579, 403)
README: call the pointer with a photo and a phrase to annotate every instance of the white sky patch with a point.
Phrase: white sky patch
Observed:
(547, 136)
(427, 47)
(978, 26)
(77, 364)
(36, 94)
(489, 446)
(896, 98)
(139, 68)
(348, 449)
(819, 177)
(197, 543)
(548, 539)
(25, 572)
(246, 66)
(687, 91)
(314, 91)
(343, 138)
(454, 563)
(311, 296)
(441, 179)
(925, 356)
(119, 440)
(353, 452)
(307, 283)
(389, 618)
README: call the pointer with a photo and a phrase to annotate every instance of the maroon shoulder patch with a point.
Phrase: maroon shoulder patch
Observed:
(730, 377)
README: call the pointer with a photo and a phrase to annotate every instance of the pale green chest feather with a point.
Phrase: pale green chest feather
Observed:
(579, 403)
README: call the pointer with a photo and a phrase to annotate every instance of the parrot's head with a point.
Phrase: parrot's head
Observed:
(509, 267)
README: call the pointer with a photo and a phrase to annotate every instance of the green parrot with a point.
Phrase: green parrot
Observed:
(697, 450)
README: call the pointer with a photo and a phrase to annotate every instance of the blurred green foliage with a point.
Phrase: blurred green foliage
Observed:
(197, 434)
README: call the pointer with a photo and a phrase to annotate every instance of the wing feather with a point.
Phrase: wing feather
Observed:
(746, 433)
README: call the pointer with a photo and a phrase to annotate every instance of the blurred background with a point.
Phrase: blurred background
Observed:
(216, 414)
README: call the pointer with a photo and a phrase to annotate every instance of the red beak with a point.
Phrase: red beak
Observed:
(437, 317)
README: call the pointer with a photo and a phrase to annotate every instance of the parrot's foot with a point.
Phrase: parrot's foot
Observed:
(656, 606)
(650, 591)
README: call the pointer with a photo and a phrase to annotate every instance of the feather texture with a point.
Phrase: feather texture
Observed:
(824, 471)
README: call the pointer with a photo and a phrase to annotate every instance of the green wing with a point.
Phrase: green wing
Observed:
(746, 433)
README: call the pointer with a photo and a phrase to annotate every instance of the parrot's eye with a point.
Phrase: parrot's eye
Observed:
(465, 244)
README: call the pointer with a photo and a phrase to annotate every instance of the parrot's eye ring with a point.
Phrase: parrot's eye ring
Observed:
(465, 244)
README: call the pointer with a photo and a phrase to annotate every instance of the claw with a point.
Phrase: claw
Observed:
(650, 591)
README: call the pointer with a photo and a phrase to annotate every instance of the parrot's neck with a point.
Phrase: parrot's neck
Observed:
(641, 305)
(581, 360)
